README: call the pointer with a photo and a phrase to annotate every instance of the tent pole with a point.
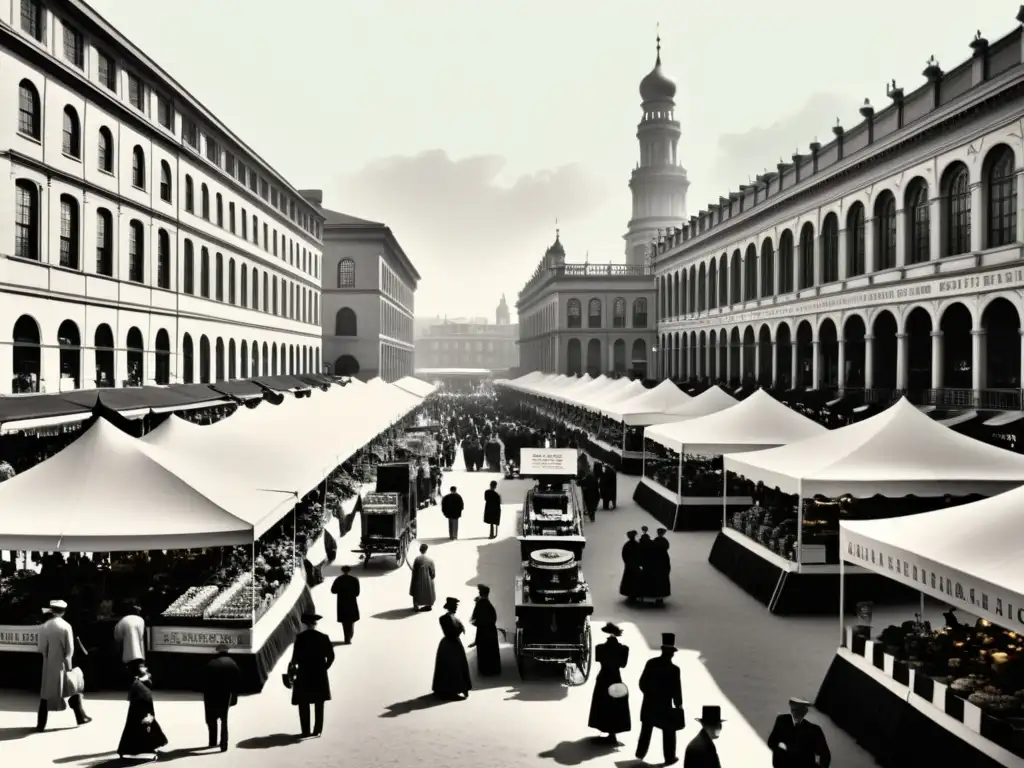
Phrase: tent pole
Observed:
(799, 524)
(725, 494)
(842, 598)
(253, 592)
(922, 605)
(294, 526)
(643, 461)
(679, 489)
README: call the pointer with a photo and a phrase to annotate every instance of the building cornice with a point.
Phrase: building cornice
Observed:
(377, 234)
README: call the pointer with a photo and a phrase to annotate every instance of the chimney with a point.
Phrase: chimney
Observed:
(868, 113)
(815, 148)
(837, 131)
(979, 59)
(933, 72)
(895, 93)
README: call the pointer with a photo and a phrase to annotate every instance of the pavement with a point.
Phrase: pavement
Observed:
(733, 654)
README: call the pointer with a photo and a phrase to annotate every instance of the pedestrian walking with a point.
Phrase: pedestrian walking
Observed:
(346, 587)
(662, 706)
(312, 656)
(608, 481)
(57, 690)
(492, 509)
(609, 706)
(130, 636)
(451, 667)
(701, 752)
(421, 584)
(797, 743)
(142, 734)
(451, 507)
(221, 682)
(631, 585)
(591, 495)
(658, 569)
(485, 619)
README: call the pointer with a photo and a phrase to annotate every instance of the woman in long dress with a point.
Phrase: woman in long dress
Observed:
(631, 586)
(142, 734)
(421, 584)
(451, 667)
(660, 581)
(609, 707)
(485, 619)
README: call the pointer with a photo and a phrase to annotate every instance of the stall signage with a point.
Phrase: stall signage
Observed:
(1000, 606)
(15, 638)
(183, 638)
(548, 461)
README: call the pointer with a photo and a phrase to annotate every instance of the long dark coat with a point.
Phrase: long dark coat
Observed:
(139, 738)
(609, 715)
(346, 587)
(805, 742)
(492, 507)
(591, 494)
(488, 654)
(312, 656)
(421, 584)
(452, 506)
(662, 689)
(701, 752)
(608, 483)
(221, 681)
(658, 569)
(645, 556)
(451, 667)
(632, 575)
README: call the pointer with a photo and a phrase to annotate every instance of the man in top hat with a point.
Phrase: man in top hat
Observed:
(56, 644)
(662, 705)
(221, 681)
(701, 752)
(312, 656)
(796, 743)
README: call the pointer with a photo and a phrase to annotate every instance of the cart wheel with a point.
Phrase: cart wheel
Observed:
(402, 551)
(588, 652)
(517, 646)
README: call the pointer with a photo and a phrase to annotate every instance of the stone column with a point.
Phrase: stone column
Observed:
(902, 228)
(869, 245)
(757, 361)
(937, 360)
(979, 364)
(869, 362)
(793, 364)
(977, 218)
(775, 363)
(901, 362)
(743, 362)
(842, 254)
(935, 245)
(841, 379)
(815, 364)
(728, 358)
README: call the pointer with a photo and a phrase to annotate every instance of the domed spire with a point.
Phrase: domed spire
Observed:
(656, 86)
(556, 248)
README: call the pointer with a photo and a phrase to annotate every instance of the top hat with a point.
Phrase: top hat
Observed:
(612, 629)
(483, 589)
(668, 641)
(451, 601)
(311, 618)
(710, 716)
(795, 701)
(57, 605)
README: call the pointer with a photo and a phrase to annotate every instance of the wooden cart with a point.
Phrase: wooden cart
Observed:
(551, 516)
(388, 527)
(553, 633)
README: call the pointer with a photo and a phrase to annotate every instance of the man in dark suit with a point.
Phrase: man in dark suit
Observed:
(662, 705)
(346, 587)
(796, 743)
(701, 752)
(220, 692)
(312, 656)
(451, 507)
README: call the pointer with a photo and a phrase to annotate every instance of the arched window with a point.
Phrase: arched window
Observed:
(70, 232)
(640, 313)
(958, 210)
(243, 286)
(736, 278)
(231, 283)
(204, 272)
(830, 249)
(712, 284)
(71, 137)
(103, 341)
(29, 117)
(188, 269)
(70, 355)
(346, 273)
(138, 168)
(918, 218)
(204, 201)
(162, 358)
(190, 195)
(165, 181)
(750, 273)
(219, 359)
(855, 246)
(204, 360)
(723, 281)
(574, 312)
(219, 277)
(786, 262)
(243, 358)
(767, 269)
(220, 210)
(163, 260)
(1001, 186)
(885, 231)
(232, 358)
(594, 313)
(619, 313)
(27, 355)
(806, 277)
(105, 151)
(104, 242)
(135, 350)
(187, 360)
(136, 251)
(266, 296)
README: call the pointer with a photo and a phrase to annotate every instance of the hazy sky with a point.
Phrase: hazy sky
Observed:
(468, 126)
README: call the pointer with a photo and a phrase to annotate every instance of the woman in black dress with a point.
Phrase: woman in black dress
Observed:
(485, 619)
(609, 707)
(492, 509)
(451, 667)
(659, 583)
(631, 586)
(142, 734)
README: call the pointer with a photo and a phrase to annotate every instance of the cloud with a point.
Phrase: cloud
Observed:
(743, 155)
(461, 226)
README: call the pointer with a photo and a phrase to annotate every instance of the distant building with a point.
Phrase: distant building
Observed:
(369, 287)
(470, 344)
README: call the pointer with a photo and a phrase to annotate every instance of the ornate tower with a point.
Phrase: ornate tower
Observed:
(501, 315)
(658, 182)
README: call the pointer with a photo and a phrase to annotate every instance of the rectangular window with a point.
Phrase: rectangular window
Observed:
(107, 72)
(241, 173)
(164, 113)
(273, 197)
(212, 151)
(68, 236)
(104, 244)
(229, 164)
(190, 133)
(136, 92)
(74, 50)
(231, 217)
(264, 189)
(33, 19)
(252, 180)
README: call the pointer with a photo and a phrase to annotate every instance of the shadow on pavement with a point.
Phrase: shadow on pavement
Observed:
(382, 565)
(158, 694)
(270, 741)
(426, 701)
(538, 690)
(578, 752)
(13, 734)
(395, 614)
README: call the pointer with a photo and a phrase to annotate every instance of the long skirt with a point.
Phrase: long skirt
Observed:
(609, 715)
(488, 654)
(139, 739)
(451, 669)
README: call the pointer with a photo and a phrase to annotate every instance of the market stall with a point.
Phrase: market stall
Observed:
(897, 463)
(952, 695)
(211, 529)
(702, 496)
(415, 386)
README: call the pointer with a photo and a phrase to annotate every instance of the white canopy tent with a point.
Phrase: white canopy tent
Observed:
(566, 392)
(546, 385)
(711, 400)
(652, 406)
(898, 452)
(621, 390)
(109, 492)
(415, 386)
(967, 556)
(573, 393)
(600, 384)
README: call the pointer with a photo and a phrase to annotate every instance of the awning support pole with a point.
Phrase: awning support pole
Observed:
(679, 488)
(842, 599)
(799, 524)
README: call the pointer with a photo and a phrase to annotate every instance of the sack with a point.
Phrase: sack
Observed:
(618, 690)
(677, 720)
(74, 683)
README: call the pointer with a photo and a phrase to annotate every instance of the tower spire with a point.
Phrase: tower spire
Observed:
(657, 61)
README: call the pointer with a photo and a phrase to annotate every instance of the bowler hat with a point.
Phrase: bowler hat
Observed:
(668, 641)
(311, 618)
(795, 701)
(57, 605)
(612, 629)
(451, 601)
(710, 716)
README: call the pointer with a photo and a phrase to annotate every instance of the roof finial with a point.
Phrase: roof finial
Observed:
(558, 232)
(657, 27)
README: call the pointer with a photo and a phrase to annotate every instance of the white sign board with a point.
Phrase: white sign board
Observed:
(548, 461)
(198, 639)
(18, 638)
